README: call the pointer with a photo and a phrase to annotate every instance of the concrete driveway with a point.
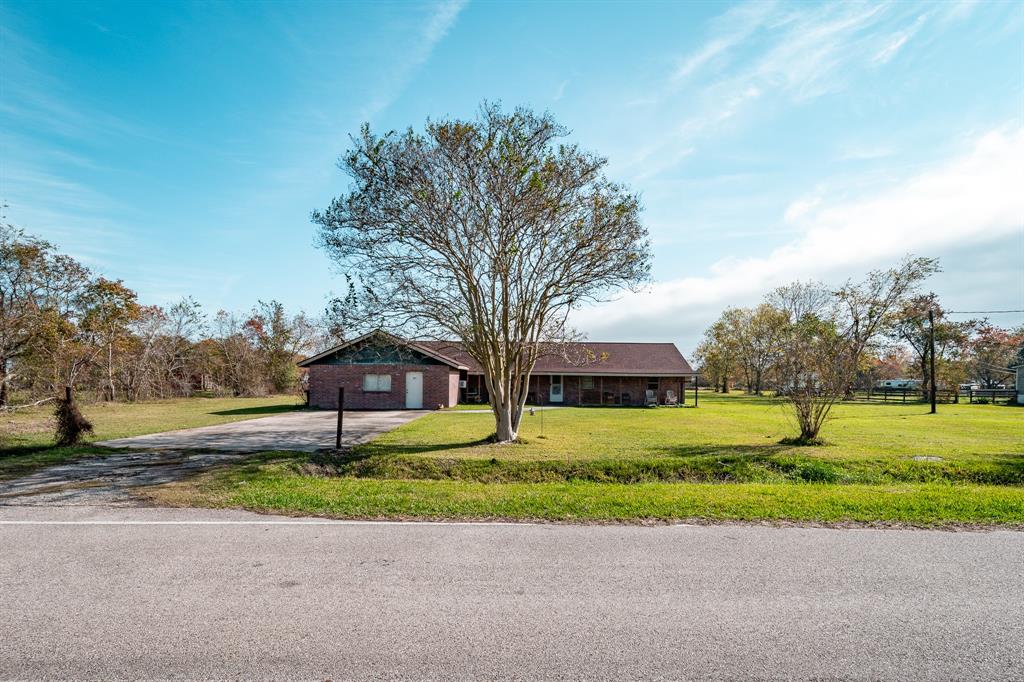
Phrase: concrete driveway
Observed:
(171, 456)
(305, 431)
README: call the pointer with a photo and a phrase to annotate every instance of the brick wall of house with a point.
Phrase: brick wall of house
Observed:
(440, 386)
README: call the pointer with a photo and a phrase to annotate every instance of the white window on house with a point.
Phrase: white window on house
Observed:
(377, 383)
(586, 382)
(652, 384)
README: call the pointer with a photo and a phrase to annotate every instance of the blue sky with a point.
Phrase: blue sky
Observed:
(182, 146)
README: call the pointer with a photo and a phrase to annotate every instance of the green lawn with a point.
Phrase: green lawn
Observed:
(721, 461)
(277, 488)
(26, 436)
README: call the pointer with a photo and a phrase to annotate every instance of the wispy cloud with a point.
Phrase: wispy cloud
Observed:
(789, 55)
(897, 41)
(727, 31)
(441, 20)
(971, 198)
(560, 93)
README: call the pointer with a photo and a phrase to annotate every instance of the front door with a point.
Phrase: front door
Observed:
(414, 390)
(556, 389)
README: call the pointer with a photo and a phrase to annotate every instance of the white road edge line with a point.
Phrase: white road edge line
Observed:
(325, 522)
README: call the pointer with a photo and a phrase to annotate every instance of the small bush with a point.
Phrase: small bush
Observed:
(71, 424)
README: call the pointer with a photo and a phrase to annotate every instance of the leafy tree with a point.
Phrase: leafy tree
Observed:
(489, 231)
(1018, 356)
(282, 340)
(993, 351)
(758, 335)
(36, 284)
(112, 308)
(911, 326)
(237, 365)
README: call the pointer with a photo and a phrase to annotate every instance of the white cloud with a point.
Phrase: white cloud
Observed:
(806, 54)
(437, 26)
(710, 50)
(800, 208)
(728, 30)
(971, 198)
(897, 42)
(561, 91)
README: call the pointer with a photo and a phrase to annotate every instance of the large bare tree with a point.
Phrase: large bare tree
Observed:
(489, 231)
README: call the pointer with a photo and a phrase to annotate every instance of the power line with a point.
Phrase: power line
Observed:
(980, 312)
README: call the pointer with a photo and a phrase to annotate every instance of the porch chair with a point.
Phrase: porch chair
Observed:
(670, 397)
(651, 398)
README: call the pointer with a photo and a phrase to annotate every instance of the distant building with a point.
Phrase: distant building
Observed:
(905, 384)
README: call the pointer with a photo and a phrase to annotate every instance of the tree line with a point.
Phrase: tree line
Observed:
(814, 345)
(62, 325)
(745, 347)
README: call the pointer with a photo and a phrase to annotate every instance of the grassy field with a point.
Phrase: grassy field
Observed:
(883, 463)
(26, 436)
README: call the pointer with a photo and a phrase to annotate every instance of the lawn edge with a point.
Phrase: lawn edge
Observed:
(144, 500)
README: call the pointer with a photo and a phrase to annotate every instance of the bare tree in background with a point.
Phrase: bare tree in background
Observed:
(824, 346)
(488, 231)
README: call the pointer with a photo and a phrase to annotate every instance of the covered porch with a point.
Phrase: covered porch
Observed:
(590, 390)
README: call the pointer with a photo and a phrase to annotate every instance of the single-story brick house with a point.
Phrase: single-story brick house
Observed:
(382, 372)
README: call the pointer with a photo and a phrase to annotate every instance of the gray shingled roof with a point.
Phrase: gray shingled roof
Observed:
(655, 359)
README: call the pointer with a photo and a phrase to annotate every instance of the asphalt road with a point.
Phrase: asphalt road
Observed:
(150, 593)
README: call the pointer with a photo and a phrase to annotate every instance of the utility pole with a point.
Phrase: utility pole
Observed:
(931, 356)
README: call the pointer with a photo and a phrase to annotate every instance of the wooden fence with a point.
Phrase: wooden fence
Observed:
(991, 394)
(904, 395)
(943, 395)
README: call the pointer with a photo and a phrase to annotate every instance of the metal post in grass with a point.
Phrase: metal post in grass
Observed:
(696, 389)
(931, 356)
(341, 412)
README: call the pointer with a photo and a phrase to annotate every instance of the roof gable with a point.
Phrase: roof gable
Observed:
(380, 348)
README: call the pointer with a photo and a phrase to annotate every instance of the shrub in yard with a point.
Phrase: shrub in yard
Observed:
(71, 424)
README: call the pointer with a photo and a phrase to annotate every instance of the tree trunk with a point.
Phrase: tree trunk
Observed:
(110, 372)
(3, 382)
(924, 371)
(506, 427)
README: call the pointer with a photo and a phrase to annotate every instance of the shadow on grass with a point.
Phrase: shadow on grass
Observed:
(20, 460)
(685, 450)
(265, 409)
